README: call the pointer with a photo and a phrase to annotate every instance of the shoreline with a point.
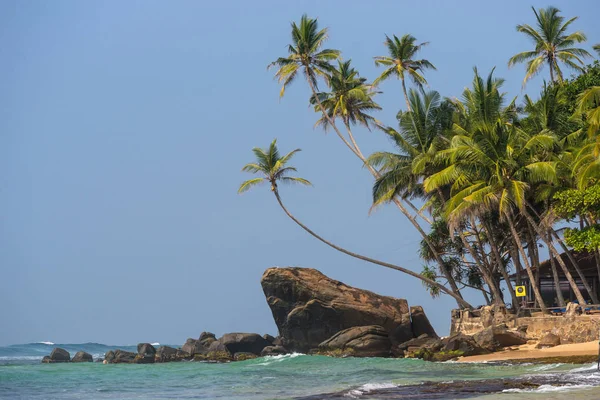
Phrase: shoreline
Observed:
(565, 353)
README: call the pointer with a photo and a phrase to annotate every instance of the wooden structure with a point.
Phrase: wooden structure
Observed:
(545, 281)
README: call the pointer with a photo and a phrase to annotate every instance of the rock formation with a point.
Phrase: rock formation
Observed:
(309, 308)
(82, 356)
(360, 341)
(58, 355)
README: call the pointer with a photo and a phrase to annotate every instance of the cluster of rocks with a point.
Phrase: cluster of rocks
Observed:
(59, 355)
(318, 315)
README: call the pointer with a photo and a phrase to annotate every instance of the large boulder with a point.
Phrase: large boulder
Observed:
(548, 340)
(200, 345)
(57, 355)
(495, 337)
(146, 353)
(465, 345)
(121, 357)
(82, 356)
(309, 308)
(167, 354)
(420, 323)
(360, 341)
(415, 347)
(206, 338)
(244, 343)
(273, 351)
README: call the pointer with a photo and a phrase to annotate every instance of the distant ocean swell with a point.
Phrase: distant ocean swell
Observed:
(292, 376)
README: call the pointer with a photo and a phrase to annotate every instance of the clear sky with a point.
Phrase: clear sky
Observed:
(123, 128)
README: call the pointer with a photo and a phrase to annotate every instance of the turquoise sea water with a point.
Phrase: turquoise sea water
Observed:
(22, 376)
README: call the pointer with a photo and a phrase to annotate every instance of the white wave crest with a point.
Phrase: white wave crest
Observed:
(591, 367)
(546, 367)
(20, 358)
(48, 343)
(368, 387)
(268, 360)
(155, 344)
(548, 389)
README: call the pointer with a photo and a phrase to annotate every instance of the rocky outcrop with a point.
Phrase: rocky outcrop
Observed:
(273, 351)
(146, 354)
(495, 337)
(361, 341)
(57, 355)
(243, 343)
(82, 356)
(309, 308)
(414, 347)
(549, 340)
(420, 323)
(243, 356)
(464, 345)
(119, 357)
(270, 339)
(168, 354)
(200, 345)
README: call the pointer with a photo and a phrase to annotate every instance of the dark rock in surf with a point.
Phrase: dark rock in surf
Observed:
(82, 356)
(57, 355)
(243, 343)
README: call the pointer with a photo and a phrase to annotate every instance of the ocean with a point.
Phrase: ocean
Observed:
(293, 376)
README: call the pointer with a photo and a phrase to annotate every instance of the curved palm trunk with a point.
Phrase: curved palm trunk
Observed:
(517, 240)
(555, 253)
(356, 150)
(371, 260)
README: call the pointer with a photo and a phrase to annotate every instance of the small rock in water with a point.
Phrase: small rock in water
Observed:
(82, 356)
(58, 355)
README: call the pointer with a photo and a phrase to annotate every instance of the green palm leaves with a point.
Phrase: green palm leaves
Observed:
(350, 98)
(305, 52)
(552, 45)
(272, 167)
(400, 62)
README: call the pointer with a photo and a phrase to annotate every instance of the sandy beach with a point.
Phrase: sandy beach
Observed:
(528, 351)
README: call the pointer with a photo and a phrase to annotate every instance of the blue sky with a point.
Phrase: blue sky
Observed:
(123, 128)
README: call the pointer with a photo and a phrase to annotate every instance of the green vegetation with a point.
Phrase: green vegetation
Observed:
(485, 180)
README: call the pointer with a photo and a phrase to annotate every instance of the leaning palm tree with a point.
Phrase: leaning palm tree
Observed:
(597, 48)
(400, 62)
(305, 54)
(273, 169)
(552, 45)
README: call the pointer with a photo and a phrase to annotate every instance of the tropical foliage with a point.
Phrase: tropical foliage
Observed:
(485, 179)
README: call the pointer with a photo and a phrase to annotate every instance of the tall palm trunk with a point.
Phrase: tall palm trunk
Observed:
(555, 253)
(575, 264)
(356, 150)
(485, 272)
(461, 301)
(559, 296)
(517, 240)
(405, 95)
(501, 268)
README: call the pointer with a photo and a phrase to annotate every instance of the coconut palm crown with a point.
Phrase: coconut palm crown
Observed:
(350, 98)
(552, 45)
(401, 62)
(272, 166)
(305, 53)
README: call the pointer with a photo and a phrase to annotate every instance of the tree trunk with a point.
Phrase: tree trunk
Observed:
(559, 296)
(501, 268)
(517, 240)
(405, 95)
(356, 150)
(514, 255)
(555, 253)
(461, 301)
(576, 266)
(497, 298)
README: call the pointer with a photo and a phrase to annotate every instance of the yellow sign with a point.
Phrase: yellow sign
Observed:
(520, 291)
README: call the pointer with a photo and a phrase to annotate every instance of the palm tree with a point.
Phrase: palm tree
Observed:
(552, 45)
(274, 170)
(305, 53)
(597, 48)
(400, 62)
(350, 98)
